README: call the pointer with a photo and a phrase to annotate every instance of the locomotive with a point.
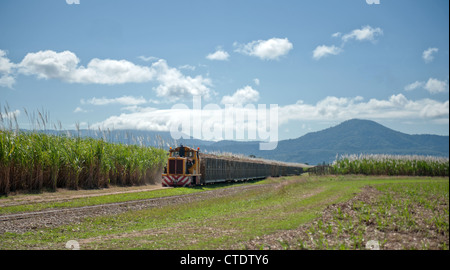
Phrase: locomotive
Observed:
(186, 166)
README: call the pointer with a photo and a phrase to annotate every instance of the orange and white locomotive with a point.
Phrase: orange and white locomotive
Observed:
(183, 167)
(188, 167)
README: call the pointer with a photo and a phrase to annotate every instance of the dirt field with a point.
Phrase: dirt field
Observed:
(395, 238)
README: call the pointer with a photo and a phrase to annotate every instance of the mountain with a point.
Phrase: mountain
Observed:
(350, 137)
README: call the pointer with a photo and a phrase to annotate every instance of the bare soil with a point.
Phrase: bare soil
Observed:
(358, 235)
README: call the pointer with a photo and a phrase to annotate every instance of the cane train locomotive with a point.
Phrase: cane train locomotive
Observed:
(188, 167)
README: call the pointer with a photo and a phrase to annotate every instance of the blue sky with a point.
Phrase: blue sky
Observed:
(126, 64)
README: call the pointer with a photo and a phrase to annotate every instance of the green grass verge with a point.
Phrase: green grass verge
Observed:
(104, 199)
(213, 223)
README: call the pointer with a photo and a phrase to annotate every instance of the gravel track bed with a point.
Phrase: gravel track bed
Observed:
(23, 222)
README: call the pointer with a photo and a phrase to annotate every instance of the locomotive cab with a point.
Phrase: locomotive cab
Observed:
(183, 167)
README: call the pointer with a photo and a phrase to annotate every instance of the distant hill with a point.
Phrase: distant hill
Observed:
(350, 137)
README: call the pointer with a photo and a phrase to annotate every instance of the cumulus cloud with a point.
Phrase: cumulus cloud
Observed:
(395, 107)
(10, 115)
(7, 81)
(242, 96)
(323, 50)
(65, 66)
(365, 33)
(158, 120)
(49, 64)
(209, 122)
(6, 70)
(5, 64)
(270, 49)
(414, 85)
(109, 71)
(436, 86)
(220, 55)
(427, 55)
(433, 86)
(175, 85)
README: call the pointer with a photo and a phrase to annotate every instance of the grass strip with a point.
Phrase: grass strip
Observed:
(213, 223)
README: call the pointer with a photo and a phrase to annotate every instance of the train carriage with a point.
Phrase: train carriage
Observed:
(188, 167)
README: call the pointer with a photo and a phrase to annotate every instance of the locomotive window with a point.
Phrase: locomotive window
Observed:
(186, 154)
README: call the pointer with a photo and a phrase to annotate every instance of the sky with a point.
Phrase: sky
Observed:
(248, 69)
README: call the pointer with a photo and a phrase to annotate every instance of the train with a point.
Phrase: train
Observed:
(187, 167)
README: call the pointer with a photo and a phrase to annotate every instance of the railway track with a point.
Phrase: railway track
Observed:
(23, 222)
(82, 208)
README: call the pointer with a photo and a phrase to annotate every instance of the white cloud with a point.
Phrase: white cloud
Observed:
(433, 86)
(5, 65)
(78, 110)
(242, 96)
(427, 55)
(414, 85)
(256, 81)
(436, 86)
(337, 34)
(270, 49)
(64, 66)
(435, 110)
(208, 123)
(322, 51)
(174, 85)
(112, 72)
(7, 81)
(151, 119)
(396, 107)
(187, 67)
(365, 33)
(50, 64)
(6, 69)
(148, 58)
(220, 55)
(10, 114)
(125, 100)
